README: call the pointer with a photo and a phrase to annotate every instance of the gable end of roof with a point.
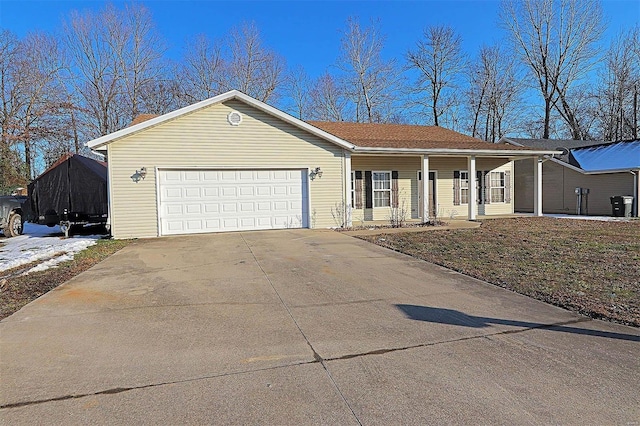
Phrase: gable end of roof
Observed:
(146, 122)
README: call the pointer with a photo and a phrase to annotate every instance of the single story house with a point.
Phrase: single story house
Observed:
(234, 163)
(600, 170)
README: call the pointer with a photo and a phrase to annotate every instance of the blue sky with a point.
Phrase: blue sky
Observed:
(304, 32)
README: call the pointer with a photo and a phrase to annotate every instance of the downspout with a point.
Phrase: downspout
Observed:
(636, 193)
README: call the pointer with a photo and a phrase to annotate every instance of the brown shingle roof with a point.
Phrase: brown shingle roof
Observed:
(375, 135)
(142, 118)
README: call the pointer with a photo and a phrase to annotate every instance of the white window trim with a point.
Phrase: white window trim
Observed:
(461, 188)
(373, 193)
(353, 189)
(504, 186)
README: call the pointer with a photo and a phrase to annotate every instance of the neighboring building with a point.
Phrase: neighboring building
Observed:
(234, 163)
(605, 169)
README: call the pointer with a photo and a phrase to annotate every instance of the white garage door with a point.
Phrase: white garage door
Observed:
(198, 201)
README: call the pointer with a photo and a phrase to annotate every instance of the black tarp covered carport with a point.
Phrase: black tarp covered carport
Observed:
(75, 184)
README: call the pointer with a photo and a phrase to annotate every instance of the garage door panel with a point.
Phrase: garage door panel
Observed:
(247, 207)
(176, 226)
(209, 192)
(194, 201)
(193, 176)
(193, 209)
(279, 190)
(212, 225)
(211, 208)
(173, 209)
(229, 191)
(247, 191)
(209, 176)
(228, 176)
(191, 192)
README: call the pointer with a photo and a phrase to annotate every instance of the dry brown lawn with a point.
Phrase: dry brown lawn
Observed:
(585, 266)
(16, 290)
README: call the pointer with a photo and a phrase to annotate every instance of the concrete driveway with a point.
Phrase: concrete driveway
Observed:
(304, 327)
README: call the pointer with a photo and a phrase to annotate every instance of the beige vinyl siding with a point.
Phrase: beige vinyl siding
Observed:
(407, 184)
(559, 183)
(497, 165)
(408, 167)
(204, 139)
(446, 166)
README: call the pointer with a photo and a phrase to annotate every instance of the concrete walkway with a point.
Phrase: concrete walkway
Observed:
(304, 327)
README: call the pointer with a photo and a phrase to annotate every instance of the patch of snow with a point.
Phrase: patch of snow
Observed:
(50, 263)
(40, 242)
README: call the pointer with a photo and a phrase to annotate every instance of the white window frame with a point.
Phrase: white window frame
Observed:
(463, 188)
(373, 184)
(492, 186)
(353, 189)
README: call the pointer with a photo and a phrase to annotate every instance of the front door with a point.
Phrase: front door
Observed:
(433, 206)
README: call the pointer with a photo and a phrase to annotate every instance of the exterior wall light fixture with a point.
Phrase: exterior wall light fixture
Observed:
(315, 173)
(139, 175)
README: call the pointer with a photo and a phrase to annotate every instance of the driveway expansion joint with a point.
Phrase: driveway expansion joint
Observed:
(116, 390)
(316, 356)
(317, 359)
(462, 339)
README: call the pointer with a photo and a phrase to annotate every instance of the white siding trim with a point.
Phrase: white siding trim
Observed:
(347, 189)
(156, 171)
(307, 170)
(471, 166)
(499, 153)
(109, 190)
(425, 188)
(537, 187)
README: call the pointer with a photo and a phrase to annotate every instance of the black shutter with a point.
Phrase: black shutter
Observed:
(479, 192)
(456, 187)
(368, 190)
(394, 189)
(358, 190)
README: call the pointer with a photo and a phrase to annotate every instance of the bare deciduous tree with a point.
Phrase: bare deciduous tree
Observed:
(252, 68)
(556, 39)
(115, 54)
(439, 61)
(370, 81)
(297, 89)
(202, 73)
(620, 84)
(160, 96)
(141, 56)
(328, 102)
(32, 93)
(494, 88)
(10, 86)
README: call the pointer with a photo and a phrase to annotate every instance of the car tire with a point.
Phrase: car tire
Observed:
(14, 226)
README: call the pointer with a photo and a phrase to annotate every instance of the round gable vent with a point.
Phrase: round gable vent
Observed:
(234, 118)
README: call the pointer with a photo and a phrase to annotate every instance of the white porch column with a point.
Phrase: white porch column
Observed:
(425, 188)
(537, 186)
(471, 167)
(636, 195)
(348, 208)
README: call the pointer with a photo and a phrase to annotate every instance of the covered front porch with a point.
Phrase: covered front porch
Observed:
(387, 189)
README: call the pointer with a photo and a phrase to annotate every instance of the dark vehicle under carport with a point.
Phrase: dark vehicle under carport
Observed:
(11, 215)
(71, 193)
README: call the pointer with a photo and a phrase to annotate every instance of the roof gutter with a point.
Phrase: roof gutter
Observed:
(453, 151)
